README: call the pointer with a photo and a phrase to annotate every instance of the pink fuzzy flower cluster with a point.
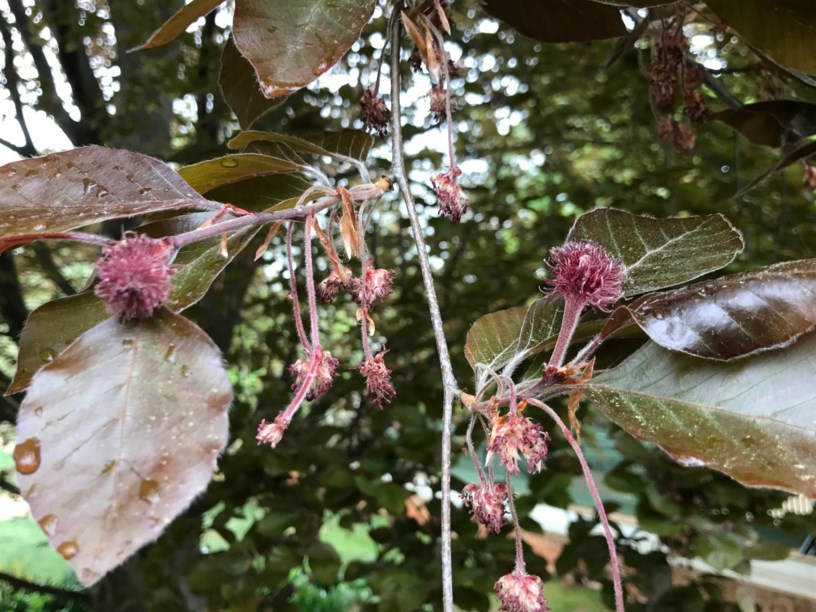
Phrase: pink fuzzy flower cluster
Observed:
(515, 436)
(379, 387)
(376, 287)
(585, 273)
(323, 377)
(271, 433)
(486, 502)
(521, 592)
(452, 202)
(134, 275)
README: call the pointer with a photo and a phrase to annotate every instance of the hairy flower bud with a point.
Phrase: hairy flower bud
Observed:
(379, 387)
(328, 288)
(521, 592)
(374, 113)
(515, 435)
(271, 433)
(323, 378)
(485, 502)
(134, 275)
(452, 202)
(585, 273)
(377, 286)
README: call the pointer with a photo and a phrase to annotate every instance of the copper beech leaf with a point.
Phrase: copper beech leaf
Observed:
(772, 123)
(660, 253)
(175, 26)
(64, 191)
(734, 316)
(558, 21)
(213, 173)
(118, 434)
(751, 419)
(353, 144)
(785, 29)
(292, 42)
(56, 324)
(240, 87)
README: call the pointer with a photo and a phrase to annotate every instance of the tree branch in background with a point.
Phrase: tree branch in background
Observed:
(6, 486)
(19, 583)
(48, 266)
(49, 100)
(450, 388)
(13, 310)
(12, 84)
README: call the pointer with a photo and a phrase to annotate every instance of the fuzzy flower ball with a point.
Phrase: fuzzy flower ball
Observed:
(376, 287)
(515, 436)
(323, 377)
(379, 387)
(585, 273)
(271, 433)
(374, 113)
(485, 502)
(452, 202)
(521, 592)
(134, 276)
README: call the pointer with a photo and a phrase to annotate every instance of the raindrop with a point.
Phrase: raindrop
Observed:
(109, 466)
(127, 343)
(31, 173)
(68, 549)
(38, 410)
(170, 354)
(149, 491)
(185, 371)
(88, 185)
(145, 190)
(27, 456)
(229, 162)
(47, 355)
(39, 227)
(49, 524)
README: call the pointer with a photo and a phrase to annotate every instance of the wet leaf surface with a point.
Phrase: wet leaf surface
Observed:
(736, 315)
(354, 144)
(87, 185)
(559, 20)
(175, 26)
(292, 42)
(240, 87)
(751, 419)
(213, 173)
(117, 436)
(660, 253)
(774, 123)
(785, 29)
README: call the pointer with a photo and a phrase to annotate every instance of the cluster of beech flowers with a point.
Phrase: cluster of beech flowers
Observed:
(584, 275)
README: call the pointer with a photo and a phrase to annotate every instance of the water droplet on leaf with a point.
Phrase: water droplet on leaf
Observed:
(68, 549)
(127, 343)
(39, 227)
(109, 466)
(38, 410)
(229, 162)
(27, 456)
(185, 371)
(88, 185)
(49, 524)
(47, 355)
(149, 491)
(170, 354)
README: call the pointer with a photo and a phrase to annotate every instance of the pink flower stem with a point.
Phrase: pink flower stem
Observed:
(569, 321)
(446, 76)
(520, 567)
(610, 539)
(303, 391)
(294, 292)
(310, 284)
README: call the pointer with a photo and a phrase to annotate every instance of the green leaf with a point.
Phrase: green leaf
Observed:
(734, 316)
(774, 123)
(785, 29)
(213, 173)
(240, 87)
(353, 144)
(659, 253)
(324, 563)
(84, 186)
(556, 21)
(263, 193)
(136, 414)
(720, 550)
(175, 26)
(751, 419)
(292, 42)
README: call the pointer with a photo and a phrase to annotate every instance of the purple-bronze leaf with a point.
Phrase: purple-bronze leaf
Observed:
(751, 419)
(660, 253)
(292, 42)
(117, 436)
(734, 316)
(773, 123)
(175, 26)
(83, 186)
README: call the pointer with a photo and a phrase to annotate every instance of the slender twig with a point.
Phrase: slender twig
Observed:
(8, 487)
(520, 566)
(310, 287)
(52, 270)
(20, 583)
(593, 490)
(294, 291)
(450, 388)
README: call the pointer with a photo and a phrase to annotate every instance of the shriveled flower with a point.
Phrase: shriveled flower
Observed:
(379, 387)
(452, 202)
(521, 592)
(328, 288)
(374, 113)
(377, 286)
(516, 435)
(134, 275)
(679, 134)
(438, 97)
(485, 502)
(271, 433)
(323, 377)
(586, 274)
(694, 107)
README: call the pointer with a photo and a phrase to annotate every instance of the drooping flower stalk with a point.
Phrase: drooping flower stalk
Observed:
(293, 294)
(593, 490)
